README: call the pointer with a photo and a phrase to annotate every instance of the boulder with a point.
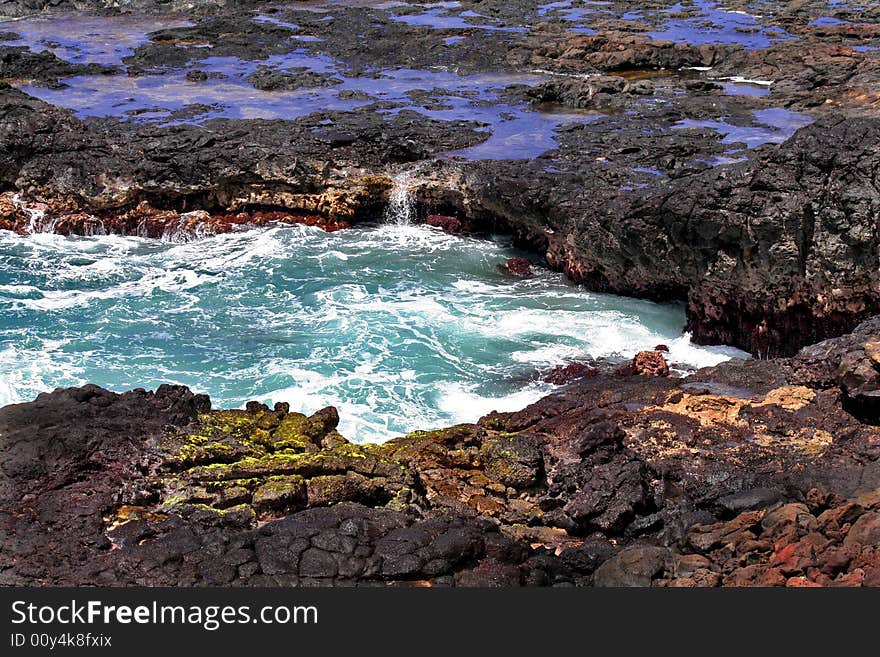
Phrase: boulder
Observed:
(650, 363)
(517, 268)
(632, 567)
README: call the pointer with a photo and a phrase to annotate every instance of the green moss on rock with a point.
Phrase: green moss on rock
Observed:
(280, 493)
(514, 461)
(194, 453)
(349, 487)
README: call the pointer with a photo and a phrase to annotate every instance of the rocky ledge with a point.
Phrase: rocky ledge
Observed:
(771, 253)
(760, 472)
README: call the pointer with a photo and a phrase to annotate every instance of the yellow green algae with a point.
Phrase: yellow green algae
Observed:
(265, 460)
(250, 466)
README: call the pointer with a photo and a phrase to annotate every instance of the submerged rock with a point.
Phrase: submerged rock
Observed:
(517, 268)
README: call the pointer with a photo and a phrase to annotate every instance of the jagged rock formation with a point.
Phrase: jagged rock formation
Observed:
(752, 472)
(762, 472)
(772, 253)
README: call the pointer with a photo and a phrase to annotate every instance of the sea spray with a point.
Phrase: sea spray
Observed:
(36, 216)
(399, 327)
(401, 208)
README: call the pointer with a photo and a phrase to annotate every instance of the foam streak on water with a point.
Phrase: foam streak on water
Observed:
(401, 327)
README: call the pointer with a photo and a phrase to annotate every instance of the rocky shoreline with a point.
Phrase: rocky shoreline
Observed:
(759, 210)
(760, 472)
(780, 247)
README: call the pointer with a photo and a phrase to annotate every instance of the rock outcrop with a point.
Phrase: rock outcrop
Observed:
(67, 169)
(749, 473)
(771, 253)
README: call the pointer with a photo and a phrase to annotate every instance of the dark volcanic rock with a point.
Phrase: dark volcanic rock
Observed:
(772, 254)
(819, 283)
(748, 473)
(196, 75)
(44, 68)
(277, 164)
(583, 93)
(268, 79)
(69, 458)
(635, 566)
(27, 7)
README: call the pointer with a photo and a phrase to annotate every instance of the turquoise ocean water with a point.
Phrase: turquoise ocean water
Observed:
(401, 327)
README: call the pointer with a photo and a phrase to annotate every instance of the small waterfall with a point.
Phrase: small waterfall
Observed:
(401, 208)
(36, 217)
(190, 226)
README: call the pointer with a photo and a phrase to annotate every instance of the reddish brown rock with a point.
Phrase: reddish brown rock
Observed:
(865, 531)
(447, 224)
(225, 223)
(801, 582)
(612, 480)
(794, 558)
(517, 268)
(147, 221)
(566, 373)
(650, 363)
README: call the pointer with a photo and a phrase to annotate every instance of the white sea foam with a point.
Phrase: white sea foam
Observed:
(400, 326)
(686, 354)
(401, 208)
(27, 371)
(546, 355)
(463, 404)
(738, 79)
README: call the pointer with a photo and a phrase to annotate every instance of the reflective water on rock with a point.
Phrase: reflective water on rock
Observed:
(223, 90)
(440, 18)
(774, 126)
(307, 80)
(87, 39)
(708, 22)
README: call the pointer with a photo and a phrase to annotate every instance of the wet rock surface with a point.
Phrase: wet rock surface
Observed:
(18, 62)
(674, 176)
(171, 170)
(734, 169)
(517, 268)
(748, 473)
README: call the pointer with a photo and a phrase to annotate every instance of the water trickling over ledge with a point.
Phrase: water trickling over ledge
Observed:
(401, 208)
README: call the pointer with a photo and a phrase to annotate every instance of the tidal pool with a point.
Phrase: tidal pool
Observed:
(401, 327)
